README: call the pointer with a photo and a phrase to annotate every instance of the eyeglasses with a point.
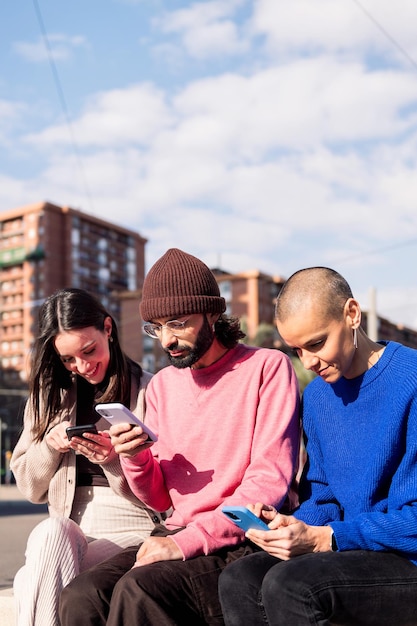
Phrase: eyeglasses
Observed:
(175, 326)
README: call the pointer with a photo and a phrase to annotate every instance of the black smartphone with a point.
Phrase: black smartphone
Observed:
(78, 431)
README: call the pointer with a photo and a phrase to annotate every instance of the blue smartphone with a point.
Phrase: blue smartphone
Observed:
(244, 518)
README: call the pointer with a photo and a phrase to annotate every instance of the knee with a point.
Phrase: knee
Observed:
(234, 576)
(243, 576)
(86, 584)
(46, 531)
(51, 527)
(247, 571)
(288, 580)
(75, 597)
(227, 580)
(276, 582)
(56, 535)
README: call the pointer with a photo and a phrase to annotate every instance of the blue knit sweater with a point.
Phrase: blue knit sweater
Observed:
(361, 474)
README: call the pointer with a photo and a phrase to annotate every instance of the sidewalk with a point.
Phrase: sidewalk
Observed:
(17, 518)
(7, 608)
(12, 502)
(10, 493)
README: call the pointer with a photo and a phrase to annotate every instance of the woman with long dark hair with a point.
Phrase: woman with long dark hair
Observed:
(76, 362)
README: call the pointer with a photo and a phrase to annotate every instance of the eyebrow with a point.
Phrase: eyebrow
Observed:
(309, 342)
(85, 347)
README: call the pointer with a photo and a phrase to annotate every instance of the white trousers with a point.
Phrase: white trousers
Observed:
(59, 548)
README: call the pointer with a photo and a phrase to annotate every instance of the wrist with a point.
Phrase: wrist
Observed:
(322, 538)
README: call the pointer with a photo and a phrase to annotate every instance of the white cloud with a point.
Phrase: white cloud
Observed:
(206, 29)
(354, 28)
(116, 117)
(300, 104)
(61, 48)
(268, 144)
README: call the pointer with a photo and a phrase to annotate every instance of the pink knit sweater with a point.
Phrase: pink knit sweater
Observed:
(228, 433)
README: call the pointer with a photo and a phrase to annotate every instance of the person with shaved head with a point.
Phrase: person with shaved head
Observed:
(348, 554)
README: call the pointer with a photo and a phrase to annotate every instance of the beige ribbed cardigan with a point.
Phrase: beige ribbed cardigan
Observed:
(45, 475)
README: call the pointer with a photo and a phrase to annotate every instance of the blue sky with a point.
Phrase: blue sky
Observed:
(255, 134)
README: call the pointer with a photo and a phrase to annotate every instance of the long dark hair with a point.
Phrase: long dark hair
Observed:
(66, 310)
(228, 331)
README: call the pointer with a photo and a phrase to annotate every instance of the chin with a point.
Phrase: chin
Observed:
(96, 379)
(179, 362)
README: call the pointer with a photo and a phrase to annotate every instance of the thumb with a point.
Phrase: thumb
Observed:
(280, 521)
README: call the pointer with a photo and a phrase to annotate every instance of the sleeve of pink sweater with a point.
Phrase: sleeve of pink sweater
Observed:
(228, 434)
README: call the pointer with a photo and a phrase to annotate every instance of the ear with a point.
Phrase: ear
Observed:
(108, 326)
(212, 317)
(353, 314)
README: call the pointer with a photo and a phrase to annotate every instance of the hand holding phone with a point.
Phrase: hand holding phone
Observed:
(78, 431)
(244, 518)
(117, 413)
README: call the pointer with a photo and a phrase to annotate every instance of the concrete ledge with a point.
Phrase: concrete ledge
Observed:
(7, 608)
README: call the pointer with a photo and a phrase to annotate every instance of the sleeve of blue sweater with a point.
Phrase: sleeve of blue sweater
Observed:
(361, 441)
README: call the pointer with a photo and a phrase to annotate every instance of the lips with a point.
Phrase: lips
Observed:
(175, 355)
(323, 371)
(92, 373)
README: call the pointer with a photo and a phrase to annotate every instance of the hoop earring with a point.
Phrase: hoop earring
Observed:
(355, 338)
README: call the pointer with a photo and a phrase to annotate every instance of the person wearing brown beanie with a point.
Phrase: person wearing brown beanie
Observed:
(227, 419)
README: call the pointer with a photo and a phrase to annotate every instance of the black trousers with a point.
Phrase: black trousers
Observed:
(166, 593)
(352, 588)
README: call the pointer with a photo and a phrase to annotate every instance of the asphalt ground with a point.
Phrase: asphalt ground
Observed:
(17, 518)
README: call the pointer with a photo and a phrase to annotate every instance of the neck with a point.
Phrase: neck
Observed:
(368, 353)
(213, 354)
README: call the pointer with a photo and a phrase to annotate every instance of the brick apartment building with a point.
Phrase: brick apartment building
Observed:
(250, 296)
(44, 247)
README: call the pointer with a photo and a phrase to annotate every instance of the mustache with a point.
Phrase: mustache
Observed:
(172, 347)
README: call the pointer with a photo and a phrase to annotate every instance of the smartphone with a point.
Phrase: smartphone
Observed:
(117, 413)
(244, 518)
(78, 431)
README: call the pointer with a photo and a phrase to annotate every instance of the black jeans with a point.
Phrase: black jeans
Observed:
(166, 593)
(354, 588)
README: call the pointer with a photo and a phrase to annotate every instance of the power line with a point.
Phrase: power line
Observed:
(359, 255)
(386, 34)
(63, 102)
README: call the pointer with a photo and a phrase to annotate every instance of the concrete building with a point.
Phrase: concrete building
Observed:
(389, 331)
(44, 247)
(250, 296)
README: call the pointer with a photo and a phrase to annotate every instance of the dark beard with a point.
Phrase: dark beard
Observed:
(203, 342)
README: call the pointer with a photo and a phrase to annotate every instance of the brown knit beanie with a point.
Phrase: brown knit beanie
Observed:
(179, 284)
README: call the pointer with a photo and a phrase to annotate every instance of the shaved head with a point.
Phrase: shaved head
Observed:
(321, 287)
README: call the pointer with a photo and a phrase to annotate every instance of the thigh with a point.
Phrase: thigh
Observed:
(246, 573)
(240, 586)
(355, 588)
(86, 600)
(182, 589)
(105, 575)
